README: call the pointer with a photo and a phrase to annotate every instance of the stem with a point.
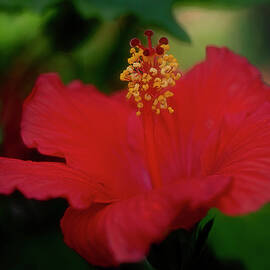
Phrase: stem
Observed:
(147, 265)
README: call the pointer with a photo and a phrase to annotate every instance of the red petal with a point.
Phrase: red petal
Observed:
(123, 231)
(225, 84)
(221, 125)
(88, 129)
(241, 149)
(46, 180)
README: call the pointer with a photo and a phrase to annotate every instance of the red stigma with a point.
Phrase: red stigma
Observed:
(134, 42)
(159, 50)
(163, 40)
(149, 51)
(146, 52)
(149, 33)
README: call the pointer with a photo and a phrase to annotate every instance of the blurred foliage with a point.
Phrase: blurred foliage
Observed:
(31, 238)
(155, 12)
(66, 29)
(244, 238)
(15, 35)
(223, 3)
(188, 250)
(183, 250)
(19, 5)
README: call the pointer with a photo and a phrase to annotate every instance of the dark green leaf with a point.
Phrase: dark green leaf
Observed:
(244, 238)
(202, 236)
(67, 29)
(151, 13)
(37, 5)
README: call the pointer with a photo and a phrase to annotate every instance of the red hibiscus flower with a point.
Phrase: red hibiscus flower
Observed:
(131, 179)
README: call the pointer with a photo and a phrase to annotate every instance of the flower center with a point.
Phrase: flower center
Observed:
(150, 73)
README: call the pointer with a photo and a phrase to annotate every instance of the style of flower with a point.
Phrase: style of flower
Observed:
(134, 172)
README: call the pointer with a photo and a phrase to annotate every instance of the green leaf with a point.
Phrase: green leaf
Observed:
(151, 13)
(244, 238)
(202, 233)
(36, 5)
(47, 251)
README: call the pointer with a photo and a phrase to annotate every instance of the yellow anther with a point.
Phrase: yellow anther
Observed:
(163, 105)
(136, 87)
(146, 77)
(157, 82)
(166, 47)
(135, 77)
(132, 50)
(166, 57)
(131, 60)
(138, 98)
(124, 74)
(131, 84)
(153, 71)
(170, 109)
(140, 105)
(155, 102)
(128, 95)
(147, 97)
(177, 76)
(173, 65)
(163, 64)
(145, 87)
(165, 70)
(136, 94)
(168, 94)
(138, 113)
(164, 83)
(136, 65)
(171, 81)
(160, 98)
(129, 69)
(157, 111)
(160, 60)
